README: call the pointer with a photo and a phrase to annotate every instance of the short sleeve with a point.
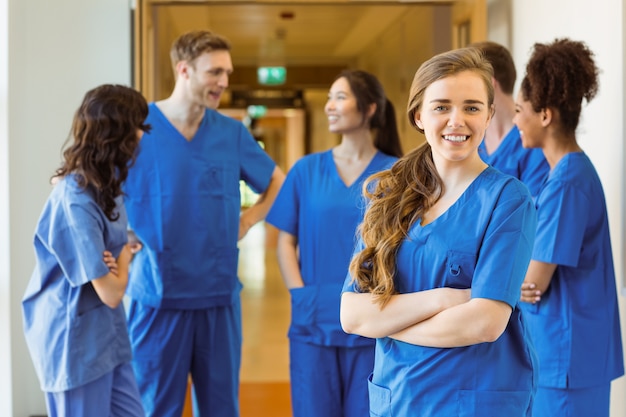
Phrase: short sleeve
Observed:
(507, 247)
(562, 214)
(255, 164)
(76, 238)
(286, 208)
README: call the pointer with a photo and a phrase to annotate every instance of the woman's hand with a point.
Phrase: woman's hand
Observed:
(110, 262)
(530, 293)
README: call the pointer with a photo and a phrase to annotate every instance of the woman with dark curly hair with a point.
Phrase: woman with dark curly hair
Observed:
(74, 321)
(445, 243)
(569, 294)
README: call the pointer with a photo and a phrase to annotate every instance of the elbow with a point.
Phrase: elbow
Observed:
(348, 324)
(112, 304)
(352, 325)
(491, 320)
(113, 301)
(492, 332)
(492, 328)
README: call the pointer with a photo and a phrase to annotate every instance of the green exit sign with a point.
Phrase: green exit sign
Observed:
(271, 75)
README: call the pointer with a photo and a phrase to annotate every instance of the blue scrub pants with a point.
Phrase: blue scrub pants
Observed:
(329, 381)
(112, 395)
(584, 402)
(168, 345)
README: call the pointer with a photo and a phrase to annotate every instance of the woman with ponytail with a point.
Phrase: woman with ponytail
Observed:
(317, 211)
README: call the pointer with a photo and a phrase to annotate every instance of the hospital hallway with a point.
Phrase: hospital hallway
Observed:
(264, 389)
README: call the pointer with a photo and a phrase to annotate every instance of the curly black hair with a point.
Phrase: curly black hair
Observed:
(559, 75)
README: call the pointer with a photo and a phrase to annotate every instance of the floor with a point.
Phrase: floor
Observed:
(264, 390)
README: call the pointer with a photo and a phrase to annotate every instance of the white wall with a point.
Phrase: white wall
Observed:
(601, 132)
(5, 308)
(52, 52)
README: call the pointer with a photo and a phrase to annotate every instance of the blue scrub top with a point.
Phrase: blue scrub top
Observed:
(576, 325)
(72, 336)
(316, 206)
(483, 242)
(184, 204)
(527, 165)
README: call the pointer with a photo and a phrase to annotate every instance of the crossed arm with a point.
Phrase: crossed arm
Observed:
(441, 317)
(537, 281)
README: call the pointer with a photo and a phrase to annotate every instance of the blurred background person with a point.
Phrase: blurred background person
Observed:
(317, 212)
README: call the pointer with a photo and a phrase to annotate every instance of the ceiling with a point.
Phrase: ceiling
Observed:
(282, 33)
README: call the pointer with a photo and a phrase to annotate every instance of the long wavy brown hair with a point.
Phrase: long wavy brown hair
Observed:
(104, 142)
(398, 197)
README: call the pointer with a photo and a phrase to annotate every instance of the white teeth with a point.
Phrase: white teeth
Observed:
(455, 138)
(332, 118)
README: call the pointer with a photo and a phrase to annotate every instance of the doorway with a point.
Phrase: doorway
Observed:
(314, 41)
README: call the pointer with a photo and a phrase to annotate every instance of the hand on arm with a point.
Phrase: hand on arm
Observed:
(133, 242)
(287, 254)
(111, 287)
(476, 321)
(537, 281)
(361, 315)
(259, 210)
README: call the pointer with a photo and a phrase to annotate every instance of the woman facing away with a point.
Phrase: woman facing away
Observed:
(444, 244)
(569, 292)
(317, 212)
(74, 321)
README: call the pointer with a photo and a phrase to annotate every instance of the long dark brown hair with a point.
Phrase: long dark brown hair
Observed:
(399, 196)
(104, 142)
(367, 90)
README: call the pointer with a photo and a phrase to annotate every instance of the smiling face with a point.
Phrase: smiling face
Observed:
(207, 77)
(342, 110)
(529, 123)
(454, 115)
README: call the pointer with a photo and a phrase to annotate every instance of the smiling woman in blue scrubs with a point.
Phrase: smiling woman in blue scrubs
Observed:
(74, 321)
(317, 212)
(445, 243)
(570, 291)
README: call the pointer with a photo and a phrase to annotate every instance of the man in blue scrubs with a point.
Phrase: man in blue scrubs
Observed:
(502, 147)
(183, 203)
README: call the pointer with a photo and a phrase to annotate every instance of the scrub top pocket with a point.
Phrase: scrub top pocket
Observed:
(302, 310)
(459, 270)
(380, 399)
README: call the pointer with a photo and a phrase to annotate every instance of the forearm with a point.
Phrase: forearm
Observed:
(361, 315)
(259, 210)
(287, 254)
(479, 320)
(111, 287)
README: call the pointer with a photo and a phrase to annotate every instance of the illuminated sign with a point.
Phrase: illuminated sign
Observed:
(271, 75)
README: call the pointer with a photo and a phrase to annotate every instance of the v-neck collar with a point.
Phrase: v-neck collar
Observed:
(359, 178)
(173, 128)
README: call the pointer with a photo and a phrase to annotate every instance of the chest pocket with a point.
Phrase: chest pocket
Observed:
(220, 178)
(459, 270)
